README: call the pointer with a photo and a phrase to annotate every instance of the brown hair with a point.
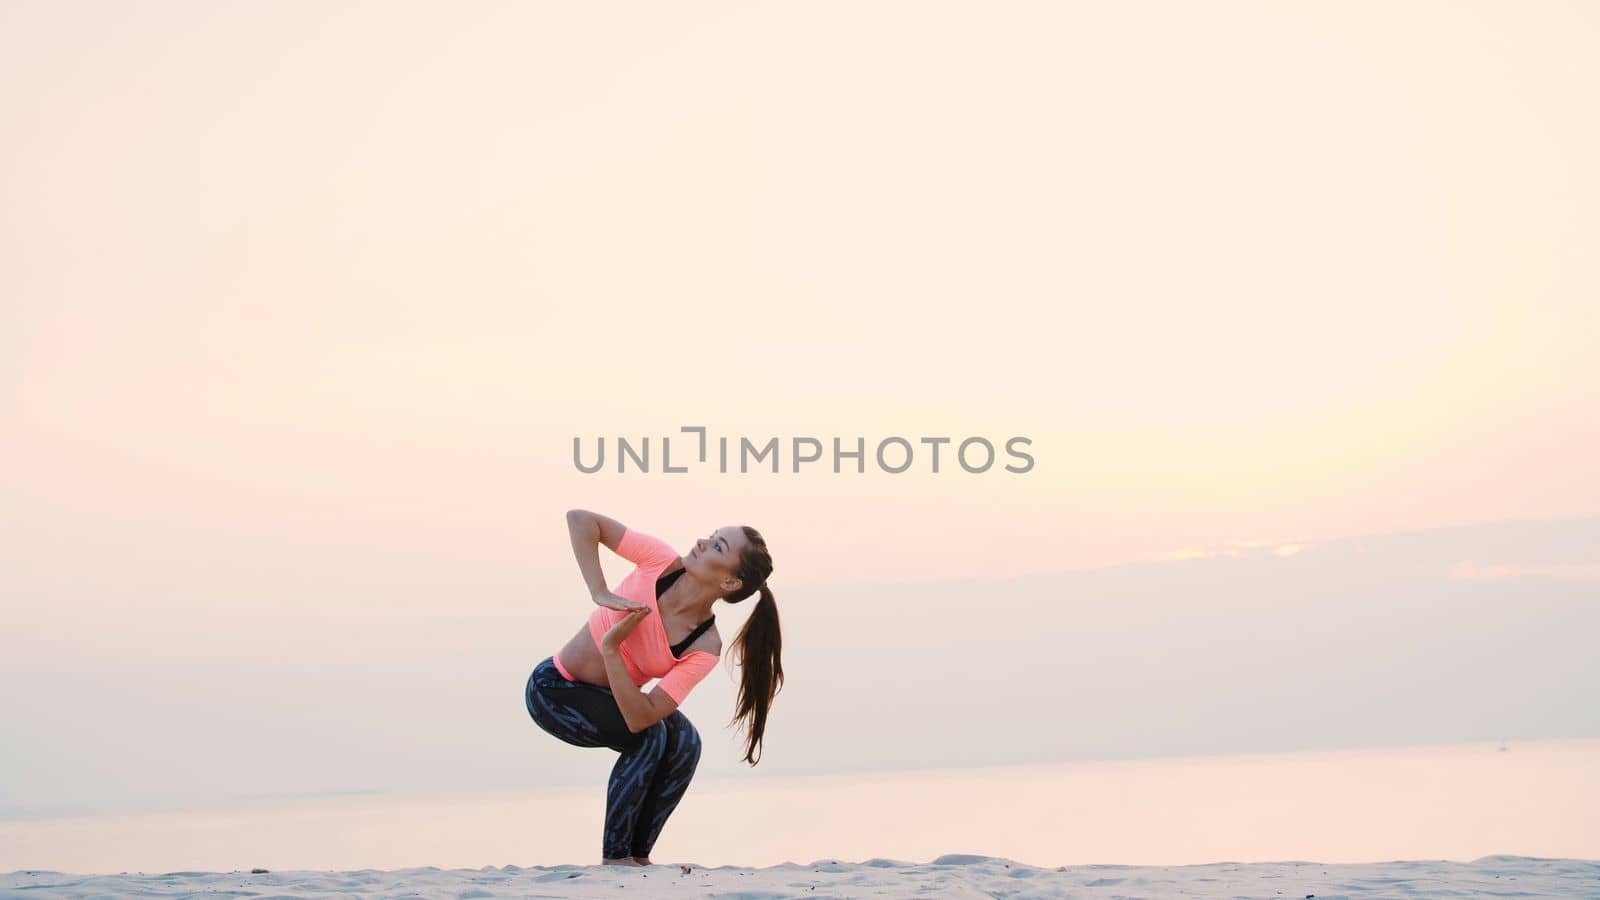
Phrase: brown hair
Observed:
(758, 646)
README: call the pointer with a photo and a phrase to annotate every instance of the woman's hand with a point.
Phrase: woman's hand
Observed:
(614, 637)
(617, 601)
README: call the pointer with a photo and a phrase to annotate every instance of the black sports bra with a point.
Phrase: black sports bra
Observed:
(662, 584)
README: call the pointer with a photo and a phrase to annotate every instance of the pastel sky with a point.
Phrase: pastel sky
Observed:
(304, 305)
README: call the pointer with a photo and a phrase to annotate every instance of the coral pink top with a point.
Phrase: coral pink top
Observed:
(645, 651)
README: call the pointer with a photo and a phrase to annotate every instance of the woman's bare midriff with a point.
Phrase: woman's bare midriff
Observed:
(582, 658)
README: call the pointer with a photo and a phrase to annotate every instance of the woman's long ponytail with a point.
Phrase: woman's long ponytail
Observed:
(758, 648)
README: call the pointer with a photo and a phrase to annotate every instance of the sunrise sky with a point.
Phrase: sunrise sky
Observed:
(305, 304)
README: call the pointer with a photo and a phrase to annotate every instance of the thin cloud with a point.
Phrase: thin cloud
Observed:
(1237, 549)
(1469, 569)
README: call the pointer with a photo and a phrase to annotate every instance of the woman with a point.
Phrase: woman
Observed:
(587, 694)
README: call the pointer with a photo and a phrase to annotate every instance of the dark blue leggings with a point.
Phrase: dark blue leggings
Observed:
(652, 772)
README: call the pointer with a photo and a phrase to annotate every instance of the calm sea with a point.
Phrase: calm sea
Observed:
(1455, 802)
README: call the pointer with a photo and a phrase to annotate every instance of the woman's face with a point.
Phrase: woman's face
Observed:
(716, 555)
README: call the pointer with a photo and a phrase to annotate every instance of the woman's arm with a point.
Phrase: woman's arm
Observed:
(584, 526)
(589, 530)
(636, 708)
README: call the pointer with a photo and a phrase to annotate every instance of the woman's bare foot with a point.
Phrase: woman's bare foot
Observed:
(624, 861)
(643, 860)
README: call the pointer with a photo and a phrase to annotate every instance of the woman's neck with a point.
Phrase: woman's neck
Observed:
(688, 597)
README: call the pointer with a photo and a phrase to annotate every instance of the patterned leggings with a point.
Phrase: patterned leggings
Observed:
(652, 771)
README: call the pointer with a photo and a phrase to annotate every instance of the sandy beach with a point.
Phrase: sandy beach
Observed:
(953, 875)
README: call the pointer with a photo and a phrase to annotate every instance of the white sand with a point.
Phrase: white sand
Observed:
(952, 875)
